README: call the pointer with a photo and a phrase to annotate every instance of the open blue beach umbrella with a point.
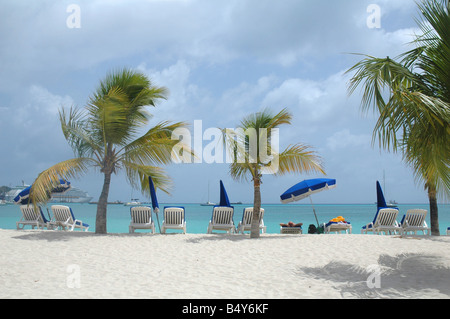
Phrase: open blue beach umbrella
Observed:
(24, 196)
(154, 199)
(305, 189)
(224, 201)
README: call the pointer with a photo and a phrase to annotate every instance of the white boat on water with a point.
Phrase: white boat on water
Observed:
(134, 202)
(208, 203)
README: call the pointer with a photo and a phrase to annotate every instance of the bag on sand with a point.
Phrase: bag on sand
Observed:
(312, 229)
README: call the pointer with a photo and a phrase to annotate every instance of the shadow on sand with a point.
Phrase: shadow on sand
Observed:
(401, 276)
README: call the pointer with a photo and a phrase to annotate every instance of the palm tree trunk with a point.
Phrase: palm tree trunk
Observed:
(100, 220)
(254, 233)
(434, 220)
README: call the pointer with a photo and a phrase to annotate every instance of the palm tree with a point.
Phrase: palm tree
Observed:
(416, 115)
(106, 135)
(254, 153)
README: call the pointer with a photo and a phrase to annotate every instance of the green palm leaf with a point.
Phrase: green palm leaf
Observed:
(250, 147)
(412, 99)
(105, 135)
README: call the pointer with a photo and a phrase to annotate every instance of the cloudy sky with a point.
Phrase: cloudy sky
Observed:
(220, 60)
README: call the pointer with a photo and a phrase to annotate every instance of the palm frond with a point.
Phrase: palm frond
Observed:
(109, 117)
(77, 133)
(48, 179)
(412, 98)
(137, 176)
(243, 171)
(250, 161)
(299, 158)
(156, 145)
(428, 156)
(117, 108)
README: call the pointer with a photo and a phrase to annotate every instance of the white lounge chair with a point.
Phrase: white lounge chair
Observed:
(246, 223)
(141, 218)
(222, 219)
(174, 218)
(414, 221)
(385, 221)
(63, 217)
(337, 227)
(32, 218)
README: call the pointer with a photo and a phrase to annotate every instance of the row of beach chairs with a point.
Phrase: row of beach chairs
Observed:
(174, 218)
(141, 218)
(385, 221)
(63, 218)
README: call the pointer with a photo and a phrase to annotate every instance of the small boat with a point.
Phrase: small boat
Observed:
(134, 202)
(392, 203)
(208, 203)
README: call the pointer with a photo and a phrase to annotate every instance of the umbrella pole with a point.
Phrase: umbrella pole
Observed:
(314, 210)
(48, 213)
(157, 218)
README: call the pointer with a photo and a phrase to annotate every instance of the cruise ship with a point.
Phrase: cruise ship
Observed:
(73, 195)
(10, 195)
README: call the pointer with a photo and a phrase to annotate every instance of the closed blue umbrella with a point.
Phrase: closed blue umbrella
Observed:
(224, 201)
(381, 202)
(305, 189)
(154, 199)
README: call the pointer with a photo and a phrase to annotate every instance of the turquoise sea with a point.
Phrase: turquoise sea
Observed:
(197, 216)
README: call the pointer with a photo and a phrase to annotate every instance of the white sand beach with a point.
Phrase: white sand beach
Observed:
(56, 264)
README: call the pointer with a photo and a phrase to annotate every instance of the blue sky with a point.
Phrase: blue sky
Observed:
(220, 60)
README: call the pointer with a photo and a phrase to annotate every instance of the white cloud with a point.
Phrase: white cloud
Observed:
(286, 33)
(220, 60)
(45, 101)
(186, 100)
(344, 140)
(31, 133)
